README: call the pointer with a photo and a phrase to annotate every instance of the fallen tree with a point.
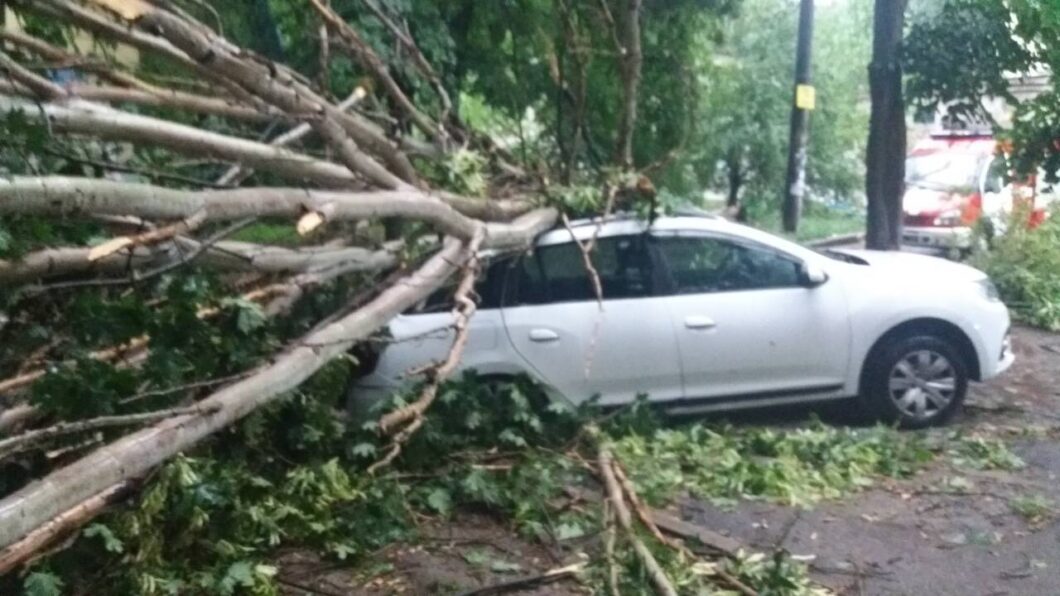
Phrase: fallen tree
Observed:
(356, 173)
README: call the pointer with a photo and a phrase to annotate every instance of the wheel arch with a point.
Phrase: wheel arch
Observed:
(930, 326)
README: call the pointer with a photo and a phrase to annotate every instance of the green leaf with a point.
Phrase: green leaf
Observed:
(364, 450)
(42, 584)
(499, 566)
(568, 530)
(512, 438)
(239, 575)
(110, 542)
(440, 500)
(477, 557)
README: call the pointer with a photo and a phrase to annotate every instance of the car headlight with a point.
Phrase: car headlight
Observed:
(988, 290)
(948, 219)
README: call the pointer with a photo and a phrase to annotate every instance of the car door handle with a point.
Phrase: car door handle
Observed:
(543, 335)
(699, 322)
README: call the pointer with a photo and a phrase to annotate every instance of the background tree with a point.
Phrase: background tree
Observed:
(741, 132)
(961, 53)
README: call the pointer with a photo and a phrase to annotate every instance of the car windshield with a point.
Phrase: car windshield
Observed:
(943, 170)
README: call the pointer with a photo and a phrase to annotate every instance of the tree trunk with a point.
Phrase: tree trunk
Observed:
(735, 175)
(632, 60)
(885, 161)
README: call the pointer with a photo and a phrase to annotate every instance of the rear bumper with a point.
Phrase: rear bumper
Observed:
(937, 238)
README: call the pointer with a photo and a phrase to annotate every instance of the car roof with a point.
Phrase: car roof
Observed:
(625, 224)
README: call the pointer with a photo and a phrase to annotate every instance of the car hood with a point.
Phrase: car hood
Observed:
(910, 265)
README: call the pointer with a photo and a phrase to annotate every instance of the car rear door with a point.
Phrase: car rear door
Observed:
(746, 325)
(555, 323)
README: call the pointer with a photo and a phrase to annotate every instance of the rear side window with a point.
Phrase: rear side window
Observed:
(557, 273)
(489, 287)
(700, 265)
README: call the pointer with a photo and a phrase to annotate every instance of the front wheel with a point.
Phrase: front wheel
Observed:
(915, 382)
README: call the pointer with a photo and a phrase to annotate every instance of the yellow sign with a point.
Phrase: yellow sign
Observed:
(805, 97)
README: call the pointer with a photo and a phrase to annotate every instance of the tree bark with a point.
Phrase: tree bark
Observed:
(277, 87)
(225, 256)
(885, 160)
(17, 553)
(735, 176)
(57, 195)
(632, 60)
(96, 120)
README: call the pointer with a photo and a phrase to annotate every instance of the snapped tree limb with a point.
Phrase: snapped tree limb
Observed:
(36, 504)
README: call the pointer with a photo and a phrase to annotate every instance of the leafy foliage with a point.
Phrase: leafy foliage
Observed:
(742, 142)
(960, 53)
(982, 453)
(1025, 265)
(798, 467)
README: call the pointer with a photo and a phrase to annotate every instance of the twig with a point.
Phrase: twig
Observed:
(25, 440)
(586, 250)
(137, 277)
(527, 583)
(148, 238)
(465, 308)
(662, 583)
(640, 508)
(418, 59)
(305, 588)
(185, 387)
(609, 549)
(238, 173)
(146, 172)
(437, 373)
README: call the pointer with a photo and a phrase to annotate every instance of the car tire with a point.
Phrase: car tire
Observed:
(915, 381)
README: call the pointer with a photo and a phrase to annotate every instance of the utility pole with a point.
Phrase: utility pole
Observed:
(804, 101)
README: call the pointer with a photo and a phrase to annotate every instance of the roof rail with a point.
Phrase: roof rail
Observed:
(617, 216)
(691, 211)
(686, 211)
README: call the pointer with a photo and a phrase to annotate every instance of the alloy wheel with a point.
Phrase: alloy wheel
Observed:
(922, 384)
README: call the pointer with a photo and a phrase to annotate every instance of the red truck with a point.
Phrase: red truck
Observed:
(956, 181)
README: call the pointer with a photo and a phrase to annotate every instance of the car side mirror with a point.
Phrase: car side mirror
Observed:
(812, 275)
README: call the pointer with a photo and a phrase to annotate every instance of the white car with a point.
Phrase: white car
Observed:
(701, 314)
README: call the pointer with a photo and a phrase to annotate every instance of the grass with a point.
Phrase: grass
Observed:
(1033, 508)
(817, 224)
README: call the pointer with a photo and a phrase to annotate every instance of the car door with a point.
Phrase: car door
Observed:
(617, 351)
(996, 195)
(745, 322)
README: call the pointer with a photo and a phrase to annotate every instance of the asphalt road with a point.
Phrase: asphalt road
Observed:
(910, 538)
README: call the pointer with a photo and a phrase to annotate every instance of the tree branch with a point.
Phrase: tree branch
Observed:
(662, 583)
(277, 87)
(418, 59)
(27, 440)
(17, 553)
(129, 457)
(362, 51)
(463, 310)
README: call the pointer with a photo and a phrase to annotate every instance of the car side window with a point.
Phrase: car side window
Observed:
(995, 176)
(700, 265)
(556, 273)
(489, 287)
